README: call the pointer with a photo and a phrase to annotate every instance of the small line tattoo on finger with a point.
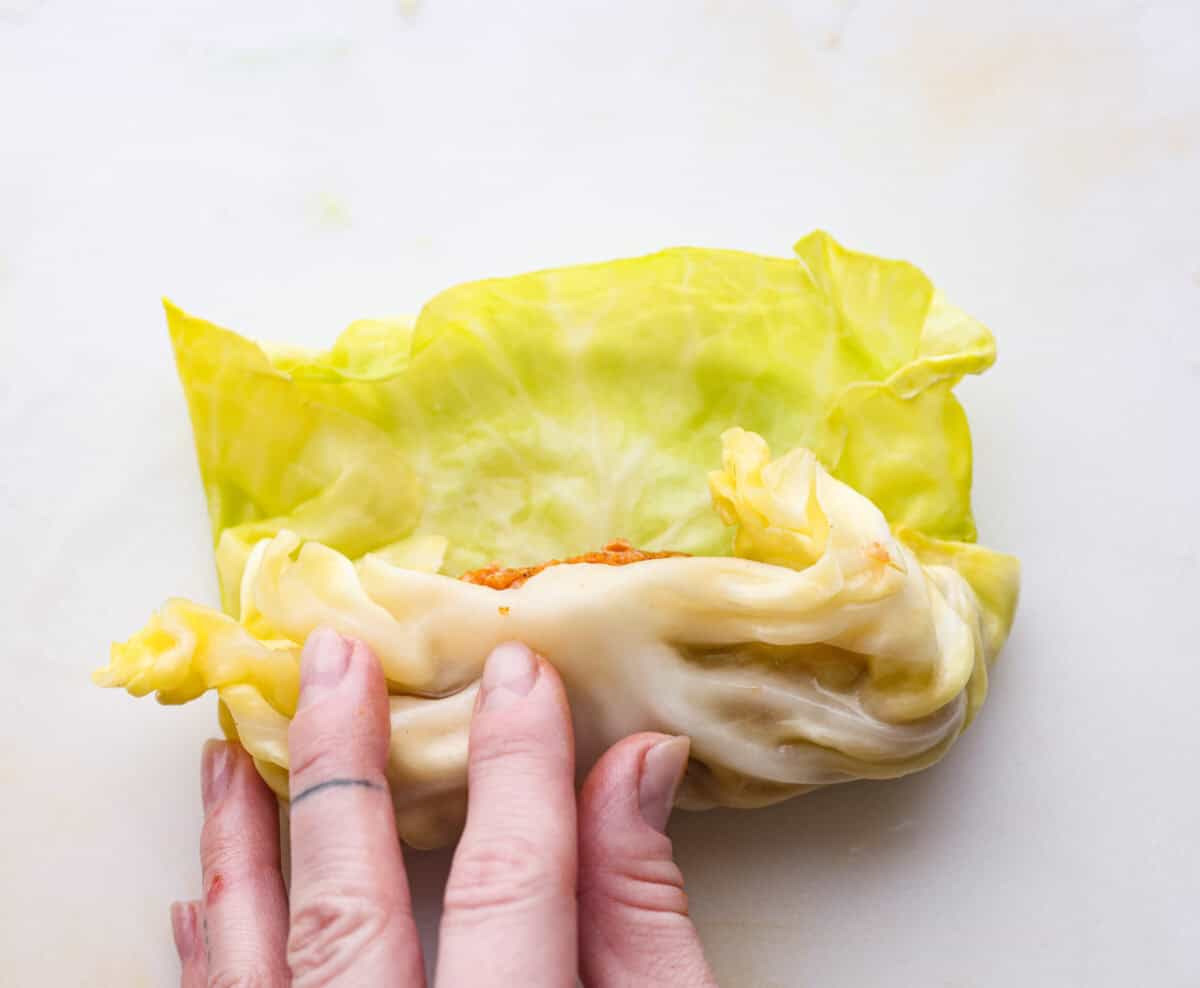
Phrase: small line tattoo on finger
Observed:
(337, 784)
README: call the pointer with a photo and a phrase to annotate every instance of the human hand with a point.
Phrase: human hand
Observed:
(538, 893)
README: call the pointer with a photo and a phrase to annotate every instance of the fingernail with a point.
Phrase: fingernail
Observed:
(508, 675)
(323, 663)
(184, 926)
(662, 771)
(214, 773)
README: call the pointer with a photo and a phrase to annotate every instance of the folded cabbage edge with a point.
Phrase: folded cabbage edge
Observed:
(881, 642)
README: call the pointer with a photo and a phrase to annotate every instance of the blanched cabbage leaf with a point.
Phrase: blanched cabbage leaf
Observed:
(835, 621)
(528, 418)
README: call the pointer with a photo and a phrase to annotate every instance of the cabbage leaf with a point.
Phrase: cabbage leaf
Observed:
(835, 620)
(528, 418)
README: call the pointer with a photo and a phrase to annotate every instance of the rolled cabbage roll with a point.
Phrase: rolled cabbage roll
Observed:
(776, 437)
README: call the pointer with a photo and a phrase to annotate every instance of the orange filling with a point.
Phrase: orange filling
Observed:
(618, 553)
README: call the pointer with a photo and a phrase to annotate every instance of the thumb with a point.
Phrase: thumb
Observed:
(634, 927)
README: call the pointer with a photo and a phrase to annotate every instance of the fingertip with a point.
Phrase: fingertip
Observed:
(521, 715)
(614, 782)
(509, 674)
(661, 773)
(361, 656)
(364, 665)
(634, 909)
(340, 679)
(216, 763)
(322, 638)
(512, 673)
(185, 924)
(187, 921)
(324, 661)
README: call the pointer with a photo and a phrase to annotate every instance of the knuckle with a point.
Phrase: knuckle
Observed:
(326, 762)
(330, 739)
(232, 853)
(502, 873)
(329, 931)
(496, 748)
(648, 885)
(222, 848)
(241, 979)
(314, 764)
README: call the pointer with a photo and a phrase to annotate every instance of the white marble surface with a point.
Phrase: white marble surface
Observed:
(285, 167)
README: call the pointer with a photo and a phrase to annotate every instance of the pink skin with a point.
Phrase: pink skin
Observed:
(511, 892)
(534, 896)
(186, 925)
(635, 928)
(242, 922)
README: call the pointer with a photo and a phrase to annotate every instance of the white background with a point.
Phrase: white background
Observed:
(285, 167)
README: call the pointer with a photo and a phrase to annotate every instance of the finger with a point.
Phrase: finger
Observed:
(352, 921)
(244, 915)
(510, 897)
(634, 927)
(186, 925)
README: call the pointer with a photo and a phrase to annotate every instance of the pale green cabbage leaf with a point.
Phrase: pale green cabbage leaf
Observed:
(538, 416)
